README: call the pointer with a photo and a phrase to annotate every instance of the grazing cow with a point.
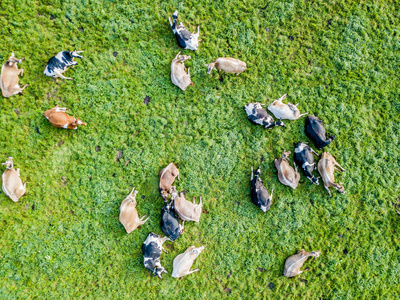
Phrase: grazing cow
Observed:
(186, 210)
(315, 130)
(303, 156)
(59, 64)
(9, 81)
(185, 38)
(151, 249)
(326, 167)
(295, 262)
(285, 111)
(170, 223)
(58, 117)
(259, 194)
(167, 178)
(227, 64)
(179, 76)
(12, 185)
(286, 174)
(184, 261)
(258, 115)
(128, 215)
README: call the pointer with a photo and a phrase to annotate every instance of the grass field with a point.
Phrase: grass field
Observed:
(339, 59)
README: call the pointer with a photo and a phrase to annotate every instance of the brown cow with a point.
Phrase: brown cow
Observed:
(227, 64)
(12, 185)
(286, 174)
(128, 215)
(326, 167)
(58, 117)
(9, 82)
(185, 209)
(295, 262)
(167, 178)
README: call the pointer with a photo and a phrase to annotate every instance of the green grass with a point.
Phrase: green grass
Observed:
(63, 239)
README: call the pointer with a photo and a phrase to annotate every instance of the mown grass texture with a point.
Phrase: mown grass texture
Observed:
(338, 59)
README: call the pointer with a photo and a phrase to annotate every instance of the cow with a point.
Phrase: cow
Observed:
(184, 261)
(258, 115)
(179, 76)
(60, 63)
(284, 111)
(128, 215)
(295, 262)
(185, 38)
(12, 184)
(326, 167)
(170, 223)
(228, 65)
(58, 117)
(151, 249)
(186, 210)
(9, 81)
(167, 178)
(259, 193)
(304, 157)
(286, 174)
(315, 130)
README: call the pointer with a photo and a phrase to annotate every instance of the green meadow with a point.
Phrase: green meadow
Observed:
(338, 59)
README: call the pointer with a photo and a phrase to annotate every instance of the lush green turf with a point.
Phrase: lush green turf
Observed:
(338, 59)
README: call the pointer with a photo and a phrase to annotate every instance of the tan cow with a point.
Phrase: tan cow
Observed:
(167, 178)
(58, 117)
(286, 174)
(179, 76)
(283, 111)
(9, 82)
(186, 210)
(295, 262)
(184, 261)
(227, 64)
(12, 185)
(128, 215)
(326, 167)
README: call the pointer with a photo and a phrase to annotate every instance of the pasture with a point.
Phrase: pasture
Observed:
(338, 59)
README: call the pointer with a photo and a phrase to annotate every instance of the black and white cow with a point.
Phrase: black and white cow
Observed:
(259, 193)
(185, 38)
(151, 249)
(315, 130)
(258, 115)
(170, 223)
(59, 64)
(304, 157)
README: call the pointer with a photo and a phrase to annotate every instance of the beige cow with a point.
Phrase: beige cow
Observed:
(167, 178)
(295, 262)
(326, 167)
(128, 215)
(179, 76)
(58, 117)
(227, 64)
(186, 210)
(286, 174)
(9, 82)
(184, 261)
(12, 185)
(285, 111)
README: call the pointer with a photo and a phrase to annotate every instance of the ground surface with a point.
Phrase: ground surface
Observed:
(63, 239)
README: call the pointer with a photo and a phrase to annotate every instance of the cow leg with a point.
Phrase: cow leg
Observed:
(58, 74)
(251, 178)
(192, 271)
(335, 163)
(19, 175)
(270, 198)
(303, 115)
(21, 72)
(24, 87)
(327, 188)
(313, 151)
(141, 221)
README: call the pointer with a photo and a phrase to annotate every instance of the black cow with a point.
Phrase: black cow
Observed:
(315, 130)
(151, 249)
(303, 156)
(59, 64)
(259, 193)
(169, 222)
(185, 38)
(258, 115)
